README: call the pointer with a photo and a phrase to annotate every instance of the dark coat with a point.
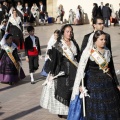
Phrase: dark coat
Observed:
(15, 31)
(29, 45)
(100, 11)
(43, 8)
(27, 11)
(119, 12)
(5, 8)
(106, 12)
(95, 12)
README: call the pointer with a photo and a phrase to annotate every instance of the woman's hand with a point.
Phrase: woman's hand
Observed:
(84, 92)
(81, 89)
(118, 87)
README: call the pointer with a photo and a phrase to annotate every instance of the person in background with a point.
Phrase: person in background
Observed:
(27, 13)
(60, 13)
(78, 15)
(48, 56)
(34, 14)
(32, 52)
(46, 17)
(19, 10)
(106, 14)
(10, 64)
(95, 10)
(100, 10)
(3, 28)
(119, 10)
(71, 16)
(14, 26)
(98, 24)
(11, 11)
(5, 7)
(1, 13)
(42, 10)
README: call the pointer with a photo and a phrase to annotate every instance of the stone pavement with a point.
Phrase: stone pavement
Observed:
(21, 101)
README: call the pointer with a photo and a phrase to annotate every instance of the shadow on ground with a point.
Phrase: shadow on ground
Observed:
(37, 77)
(23, 113)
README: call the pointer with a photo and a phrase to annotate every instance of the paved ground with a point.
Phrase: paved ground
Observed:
(21, 101)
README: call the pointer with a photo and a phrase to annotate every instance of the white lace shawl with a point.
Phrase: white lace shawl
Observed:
(81, 67)
(11, 49)
(19, 8)
(70, 51)
(3, 41)
(51, 42)
(15, 22)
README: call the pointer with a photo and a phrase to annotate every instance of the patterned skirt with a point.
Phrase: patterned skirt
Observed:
(104, 100)
(49, 102)
(8, 72)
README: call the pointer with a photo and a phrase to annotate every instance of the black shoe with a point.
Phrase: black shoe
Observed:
(33, 82)
(60, 116)
(11, 83)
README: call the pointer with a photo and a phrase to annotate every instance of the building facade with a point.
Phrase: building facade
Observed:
(86, 5)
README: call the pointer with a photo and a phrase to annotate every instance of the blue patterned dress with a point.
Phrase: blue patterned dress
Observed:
(104, 100)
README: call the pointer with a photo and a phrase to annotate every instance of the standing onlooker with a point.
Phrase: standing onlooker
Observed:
(100, 10)
(14, 26)
(10, 64)
(71, 16)
(5, 7)
(11, 11)
(20, 10)
(113, 17)
(3, 28)
(119, 10)
(27, 13)
(78, 18)
(42, 10)
(60, 13)
(32, 51)
(95, 10)
(1, 13)
(106, 14)
(34, 13)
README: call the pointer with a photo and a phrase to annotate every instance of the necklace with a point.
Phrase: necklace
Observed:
(102, 52)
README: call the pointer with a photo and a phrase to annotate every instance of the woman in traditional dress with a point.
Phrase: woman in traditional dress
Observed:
(11, 11)
(78, 18)
(60, 13)
(65, 55)
(34, 14)
(14, 27)
(10, 69)
(71, 16)
(48, 56)
(1, 13)
(100, 80)
(20, 10)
